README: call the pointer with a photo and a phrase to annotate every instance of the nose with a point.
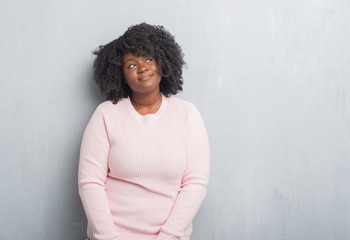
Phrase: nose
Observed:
(142, 68)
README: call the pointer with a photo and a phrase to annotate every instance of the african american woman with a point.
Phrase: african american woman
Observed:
(144, 158)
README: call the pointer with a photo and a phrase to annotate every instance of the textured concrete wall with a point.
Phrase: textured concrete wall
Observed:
(271, 79)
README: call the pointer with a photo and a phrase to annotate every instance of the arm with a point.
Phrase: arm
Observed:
(194, 182)
(93, 169)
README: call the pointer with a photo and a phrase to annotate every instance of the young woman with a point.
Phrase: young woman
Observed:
(144, 160)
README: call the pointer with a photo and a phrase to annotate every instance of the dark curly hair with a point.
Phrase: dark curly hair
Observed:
(141, 40)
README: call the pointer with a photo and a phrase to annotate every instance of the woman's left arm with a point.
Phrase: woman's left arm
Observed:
(194, 183)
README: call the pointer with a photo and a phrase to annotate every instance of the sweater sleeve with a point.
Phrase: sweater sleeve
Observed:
(92, 174)
(194, 181)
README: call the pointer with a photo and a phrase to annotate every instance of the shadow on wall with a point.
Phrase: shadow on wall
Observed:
(76, 222)
(79, 221)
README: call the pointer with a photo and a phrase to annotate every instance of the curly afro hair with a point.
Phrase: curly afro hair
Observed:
(141, 40)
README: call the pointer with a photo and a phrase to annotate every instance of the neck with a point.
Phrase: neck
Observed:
(146, 103)
(145, 100)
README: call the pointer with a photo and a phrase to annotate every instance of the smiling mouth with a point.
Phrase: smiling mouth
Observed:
(144, 78)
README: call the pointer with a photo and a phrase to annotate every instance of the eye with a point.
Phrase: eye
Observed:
(148, 60)
(131, 66)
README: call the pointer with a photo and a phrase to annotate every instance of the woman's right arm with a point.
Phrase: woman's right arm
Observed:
(92, 174)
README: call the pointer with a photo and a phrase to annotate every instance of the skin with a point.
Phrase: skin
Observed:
(141, 73)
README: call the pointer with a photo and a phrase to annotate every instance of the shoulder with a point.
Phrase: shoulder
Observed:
(108, 106)
(181, 105)
(104, 106)
(184, 108)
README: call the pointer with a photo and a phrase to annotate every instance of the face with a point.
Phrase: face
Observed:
(141, 73)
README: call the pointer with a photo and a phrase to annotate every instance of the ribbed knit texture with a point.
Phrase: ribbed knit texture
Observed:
(143, 177)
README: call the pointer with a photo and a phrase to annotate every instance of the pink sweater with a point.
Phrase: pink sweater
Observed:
(143, 177)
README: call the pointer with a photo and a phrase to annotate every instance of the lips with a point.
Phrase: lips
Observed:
(145, 77)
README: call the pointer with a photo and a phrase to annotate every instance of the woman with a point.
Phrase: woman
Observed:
(144, 160)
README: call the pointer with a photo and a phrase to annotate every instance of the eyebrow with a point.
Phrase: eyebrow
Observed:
(130, 59)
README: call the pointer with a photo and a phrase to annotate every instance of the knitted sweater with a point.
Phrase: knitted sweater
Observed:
(143, 177)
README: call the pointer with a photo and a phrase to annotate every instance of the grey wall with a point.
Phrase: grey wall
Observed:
(270, 77)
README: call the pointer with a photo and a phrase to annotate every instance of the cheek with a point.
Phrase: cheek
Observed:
(155, 69)
(128, 76)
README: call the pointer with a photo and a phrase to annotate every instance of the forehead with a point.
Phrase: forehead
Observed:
(127, 56)
(132, 56)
